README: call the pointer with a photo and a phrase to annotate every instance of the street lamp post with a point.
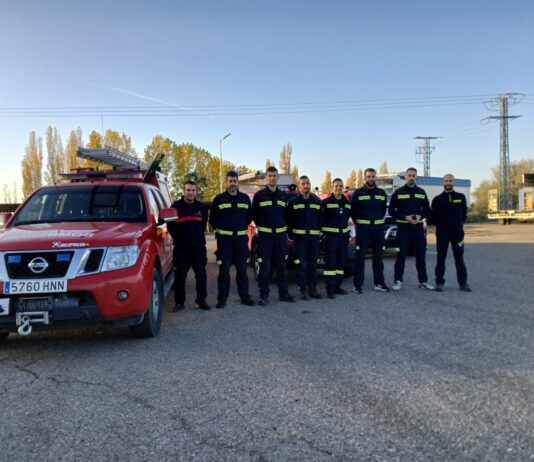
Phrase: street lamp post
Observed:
(220, 155)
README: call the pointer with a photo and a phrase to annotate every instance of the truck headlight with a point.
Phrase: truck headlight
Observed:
(120, 257)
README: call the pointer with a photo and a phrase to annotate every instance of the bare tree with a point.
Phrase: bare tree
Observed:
(56, 161)
(285, 158)
(75, 141)
(359, 178)
(32, 165)
(351, 180)
(327, 184)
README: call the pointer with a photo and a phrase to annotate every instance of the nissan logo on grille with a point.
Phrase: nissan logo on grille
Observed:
(38, 265)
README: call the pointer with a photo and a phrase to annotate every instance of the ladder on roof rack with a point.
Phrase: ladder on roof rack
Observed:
(115, 159)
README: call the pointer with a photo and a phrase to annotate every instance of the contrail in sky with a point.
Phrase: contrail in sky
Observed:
(139, 95)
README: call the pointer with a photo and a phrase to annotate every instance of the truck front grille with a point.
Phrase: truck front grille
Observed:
(93, 262)
(19, 265)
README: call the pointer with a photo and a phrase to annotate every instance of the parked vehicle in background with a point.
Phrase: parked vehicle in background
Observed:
(93, 249)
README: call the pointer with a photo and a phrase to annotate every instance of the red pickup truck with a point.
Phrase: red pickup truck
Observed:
(93, 249)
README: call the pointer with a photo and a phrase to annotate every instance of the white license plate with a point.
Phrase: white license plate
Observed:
(35, 286)
(4, 306)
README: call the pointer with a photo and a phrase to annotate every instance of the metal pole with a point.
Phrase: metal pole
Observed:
(221, 162)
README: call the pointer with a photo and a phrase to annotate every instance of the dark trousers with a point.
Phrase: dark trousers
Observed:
(306, 254)
(366, 237)
(272, 253)
(184, 260)
(456, 239)
(335, 258)
(411, 236)
(232, 250)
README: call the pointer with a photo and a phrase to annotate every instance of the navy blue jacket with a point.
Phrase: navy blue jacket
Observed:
(231, 214)
(336, 215)
(368, 206)
(188, 229)
(449, 210)
(269, 211)
(409, 201)
(304, 216)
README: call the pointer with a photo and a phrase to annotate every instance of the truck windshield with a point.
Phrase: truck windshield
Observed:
(84, 203)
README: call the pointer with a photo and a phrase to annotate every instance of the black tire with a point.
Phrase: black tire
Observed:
(3, 335)
(151, 323)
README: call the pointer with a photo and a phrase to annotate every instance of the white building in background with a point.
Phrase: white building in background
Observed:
(433, 185)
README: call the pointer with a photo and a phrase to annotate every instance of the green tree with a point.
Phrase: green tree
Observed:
(327, 184)
(166, 146)
(351, 180)
(32, 165)
(480, 194)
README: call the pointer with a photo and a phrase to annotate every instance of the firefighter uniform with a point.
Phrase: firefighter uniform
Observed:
(304, 221)
(230, 216)
(368, 208)
(337, 234)
(449, 212)
(269, 215)
(410, 201)
(189, 248)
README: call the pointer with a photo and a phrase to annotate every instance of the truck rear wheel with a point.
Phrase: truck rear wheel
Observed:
(151, 323)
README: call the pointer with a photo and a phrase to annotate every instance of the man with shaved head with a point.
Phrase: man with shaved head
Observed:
(449, 211)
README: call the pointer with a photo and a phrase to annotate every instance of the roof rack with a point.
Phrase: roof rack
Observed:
(115, 159)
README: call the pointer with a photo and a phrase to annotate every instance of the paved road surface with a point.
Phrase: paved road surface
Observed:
(412, 375)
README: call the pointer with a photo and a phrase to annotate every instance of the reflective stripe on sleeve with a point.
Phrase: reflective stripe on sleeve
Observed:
(266, 203)
(332, 206)
(298, 206)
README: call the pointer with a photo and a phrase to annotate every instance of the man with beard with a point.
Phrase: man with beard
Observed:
(368, 208)
(336, 238)
(409, 207)
(189, 246)
(449, 212)
(269, 215)
(304, 219)
(231, 213)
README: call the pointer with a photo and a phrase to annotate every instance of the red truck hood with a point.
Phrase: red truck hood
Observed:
(51, 236)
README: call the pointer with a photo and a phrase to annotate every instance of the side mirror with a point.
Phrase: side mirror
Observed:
(4, 218)
(168, 215)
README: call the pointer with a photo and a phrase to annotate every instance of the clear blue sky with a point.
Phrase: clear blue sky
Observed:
(215, 53)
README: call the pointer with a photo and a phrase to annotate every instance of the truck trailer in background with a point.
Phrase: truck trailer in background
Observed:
(525, 203)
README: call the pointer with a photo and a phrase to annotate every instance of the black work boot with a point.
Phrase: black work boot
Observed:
(312, 292)
(304, 293)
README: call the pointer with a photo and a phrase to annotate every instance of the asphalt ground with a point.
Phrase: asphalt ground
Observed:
(411, 375)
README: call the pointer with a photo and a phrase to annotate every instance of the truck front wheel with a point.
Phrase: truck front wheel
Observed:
(151, 323)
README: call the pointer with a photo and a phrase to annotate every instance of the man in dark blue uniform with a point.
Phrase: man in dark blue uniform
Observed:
(231, 213)
(304, 220)
(269, 215)
(409, 207)
(449, 212)
(336, 238)
(368, 208)
(189, 246)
